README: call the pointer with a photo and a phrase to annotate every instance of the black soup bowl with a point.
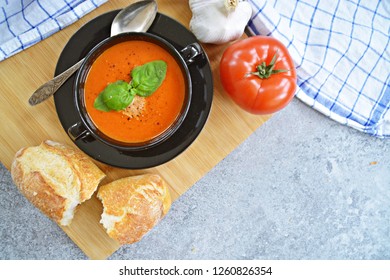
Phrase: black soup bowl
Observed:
(87, 128)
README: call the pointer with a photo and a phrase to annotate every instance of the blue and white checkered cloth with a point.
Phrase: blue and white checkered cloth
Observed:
(341, 52)
(24, 23)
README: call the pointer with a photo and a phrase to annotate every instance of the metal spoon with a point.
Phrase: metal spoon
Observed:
(137, 17)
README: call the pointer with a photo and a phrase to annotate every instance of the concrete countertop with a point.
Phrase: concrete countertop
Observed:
(301, 187)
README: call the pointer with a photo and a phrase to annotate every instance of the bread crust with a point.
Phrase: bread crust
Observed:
(136, 204)
(55, 178)
(88, 173)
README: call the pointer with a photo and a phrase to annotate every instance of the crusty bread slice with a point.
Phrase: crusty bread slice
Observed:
(55, 178)
(133, 206)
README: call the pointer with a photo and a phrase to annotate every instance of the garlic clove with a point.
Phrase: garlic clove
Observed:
(219, 21)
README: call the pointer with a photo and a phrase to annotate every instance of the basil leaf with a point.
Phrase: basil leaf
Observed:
(100, 105)
(148, 77)
(116, 96)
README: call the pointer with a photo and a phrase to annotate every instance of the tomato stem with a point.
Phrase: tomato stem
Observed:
(264, 71)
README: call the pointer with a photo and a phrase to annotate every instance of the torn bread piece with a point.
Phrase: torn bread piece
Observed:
(55, 178)
(133, 206)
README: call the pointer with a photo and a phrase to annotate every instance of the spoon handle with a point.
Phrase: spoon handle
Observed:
(49, 88)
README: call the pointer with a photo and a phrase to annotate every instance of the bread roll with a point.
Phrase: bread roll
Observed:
(133, 206)
(55, 178)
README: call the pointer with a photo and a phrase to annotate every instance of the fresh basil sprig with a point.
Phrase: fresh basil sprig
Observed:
(146, 79)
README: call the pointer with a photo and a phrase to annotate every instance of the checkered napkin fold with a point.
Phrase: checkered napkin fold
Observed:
(341, 52)
(26, 22)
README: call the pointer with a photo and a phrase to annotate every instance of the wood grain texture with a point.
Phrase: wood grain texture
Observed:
(22, 125)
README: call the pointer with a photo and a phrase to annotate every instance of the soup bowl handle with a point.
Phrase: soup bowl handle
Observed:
(190, 52)
(77, 131)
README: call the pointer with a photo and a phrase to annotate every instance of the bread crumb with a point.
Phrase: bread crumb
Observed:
(135, 108)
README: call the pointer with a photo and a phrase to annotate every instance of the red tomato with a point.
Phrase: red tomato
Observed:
(259, 74)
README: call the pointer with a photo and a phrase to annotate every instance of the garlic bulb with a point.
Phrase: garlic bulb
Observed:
(219, 21)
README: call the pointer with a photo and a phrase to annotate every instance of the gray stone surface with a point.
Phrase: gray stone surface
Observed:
(301, 187)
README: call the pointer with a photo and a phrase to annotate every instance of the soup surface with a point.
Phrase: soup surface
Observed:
(158, 111)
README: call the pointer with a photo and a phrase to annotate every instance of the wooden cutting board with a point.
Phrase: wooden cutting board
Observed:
(22, 125)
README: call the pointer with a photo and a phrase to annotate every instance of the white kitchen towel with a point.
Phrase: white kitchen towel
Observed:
(24, 23)
(341, 52)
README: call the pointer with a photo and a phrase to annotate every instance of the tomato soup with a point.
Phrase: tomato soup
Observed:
(160, 109)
